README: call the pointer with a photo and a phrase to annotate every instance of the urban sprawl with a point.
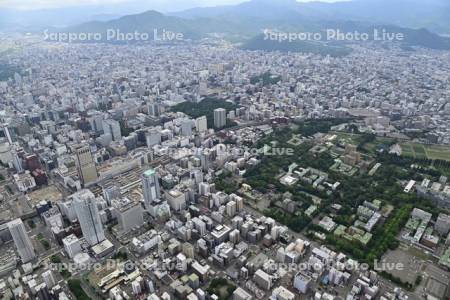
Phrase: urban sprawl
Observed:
(202, 171)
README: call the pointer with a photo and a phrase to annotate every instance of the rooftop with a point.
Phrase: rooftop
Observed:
(149, 172)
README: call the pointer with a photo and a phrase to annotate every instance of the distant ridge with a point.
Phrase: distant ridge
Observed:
(244, 23)
(431, 14)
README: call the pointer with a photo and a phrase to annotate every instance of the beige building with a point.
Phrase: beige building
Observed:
(85, 165)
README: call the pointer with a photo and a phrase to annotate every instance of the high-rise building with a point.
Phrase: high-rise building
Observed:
(281, 293)
(241, 294)
(129, 214)
(302, 283)
(176, 200)
(21, 240)
(442, 224)
(154, 109)
(220, 118)
(203, 88)
(263, 280)
(88, 216)
(49, 279)
(201, 124)
(17, 162)
(111, 193)
(112, 127)
(4, 131)
(231, 208)
(186, 127)
(153, 137)
(95, 119)
(150, 186)
(87, 172)
(204, 188)
(72, 245)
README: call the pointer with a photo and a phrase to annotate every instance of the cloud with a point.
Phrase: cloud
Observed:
(39, 4)
(148, 4)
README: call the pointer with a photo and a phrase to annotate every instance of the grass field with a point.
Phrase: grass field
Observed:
(417, 150)
(348, 137)
(409, 149)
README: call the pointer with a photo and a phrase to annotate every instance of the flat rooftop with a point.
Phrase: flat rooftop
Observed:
(48, 193)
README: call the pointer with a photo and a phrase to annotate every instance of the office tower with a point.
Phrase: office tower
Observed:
(241, 294)
(87, 172)
(7, 133)
(95, 119)
(111, 193)
(442, 224)
(49, 279)
(263, 280)
(136, 287)
(17, 162)
(112, 128)
(153, 137)
(302, 283)
(197, 175)
(231, 208)
(220, 118)
(188, 250)
(205, 159)
(21, 240)
(72, 245)
(186, 128)
(42, 292)
(204, 188)
(176, 200)
(150, 186)
(201, 124)
(153, 109)
(181, 262)
(203, 88)
(129, 214)
(88, 216)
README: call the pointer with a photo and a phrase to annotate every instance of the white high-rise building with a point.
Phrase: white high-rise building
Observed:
(201, 123)
(112, 127)
(88, 216)
(153, 109)
(220, 117)
(204, 188)
(176, 200)
(153, 137)
(136, 287)
(95, 119)
(17, 162)
(150, 186)
(231, 208)
(49, 279)
(21, 240)
(72, 245)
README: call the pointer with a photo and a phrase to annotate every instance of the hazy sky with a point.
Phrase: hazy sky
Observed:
(150, 4)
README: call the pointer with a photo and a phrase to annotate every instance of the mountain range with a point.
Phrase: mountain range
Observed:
(421, 22)
(245, 23)
(431, 14)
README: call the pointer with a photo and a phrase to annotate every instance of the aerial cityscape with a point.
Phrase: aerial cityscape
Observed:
(244, 150)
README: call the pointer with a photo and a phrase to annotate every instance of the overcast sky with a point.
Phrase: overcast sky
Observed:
(169, 5)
